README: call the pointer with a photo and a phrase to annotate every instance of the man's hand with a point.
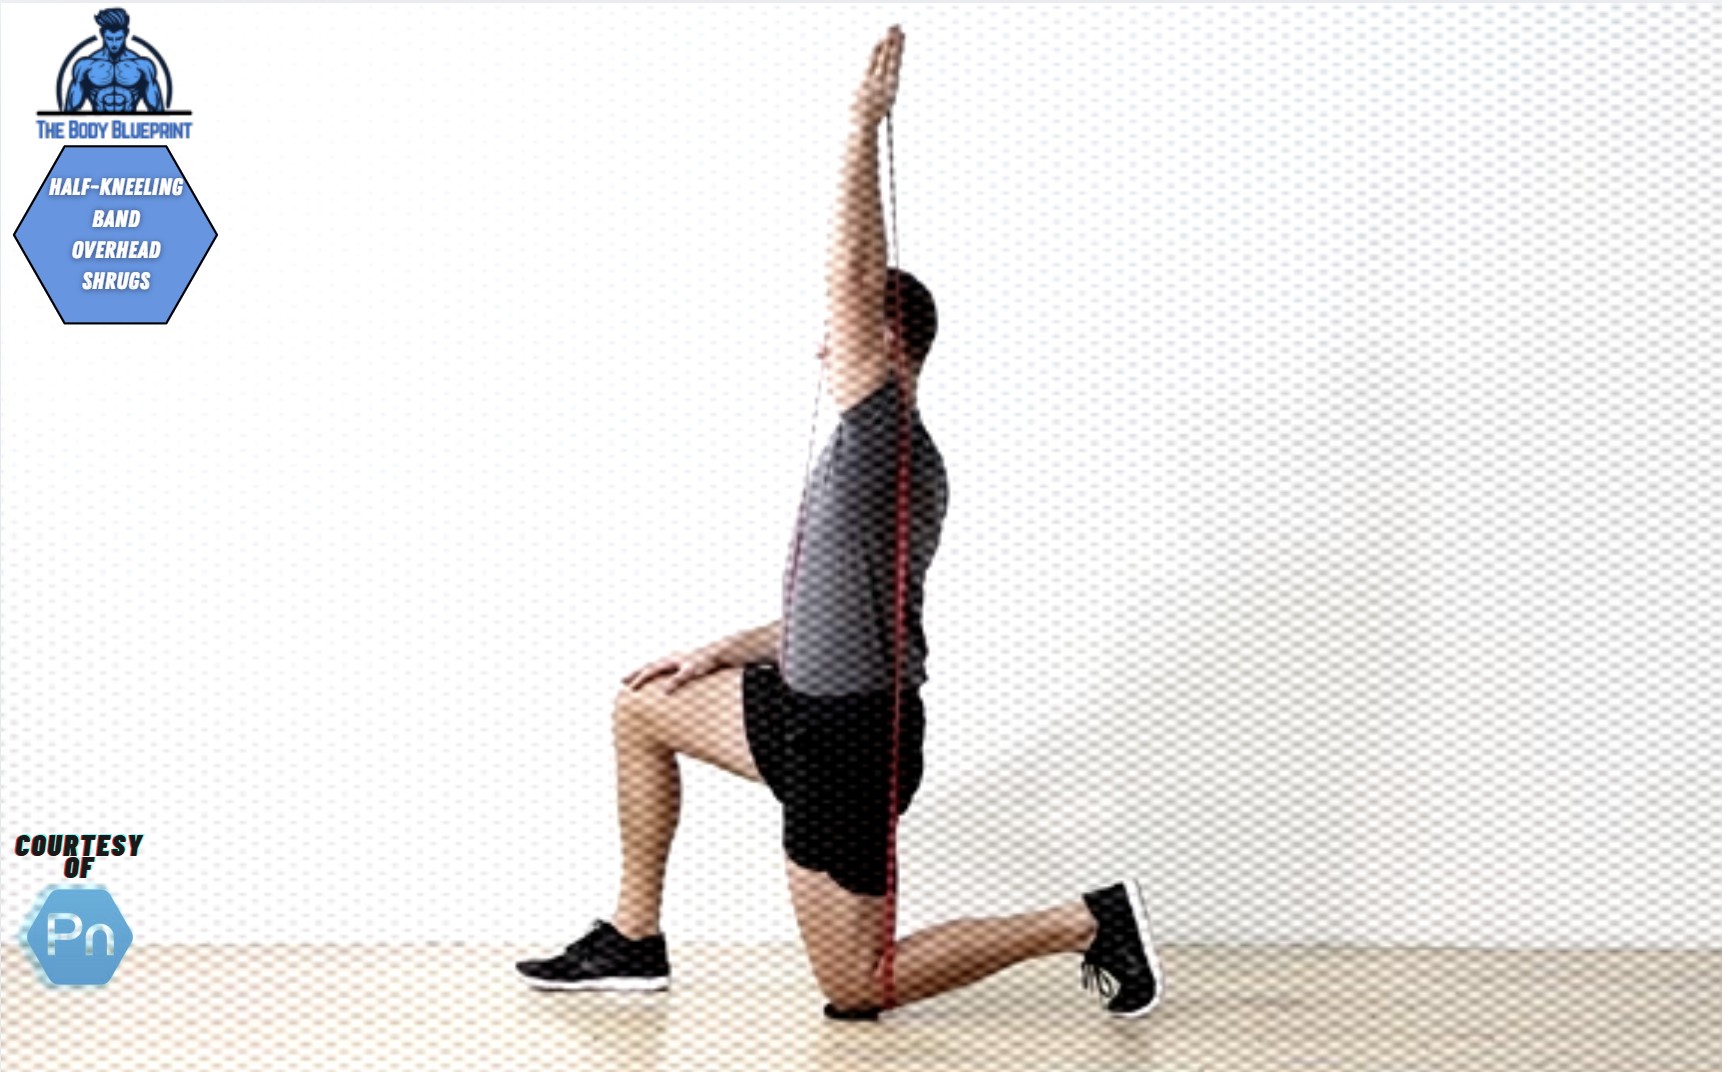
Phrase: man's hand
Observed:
(682, 668)
(742, 649)
(878, 92)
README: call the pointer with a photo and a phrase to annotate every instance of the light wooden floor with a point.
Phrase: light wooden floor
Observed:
(755, 1008)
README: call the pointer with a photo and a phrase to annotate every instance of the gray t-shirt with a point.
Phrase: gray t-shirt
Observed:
(839, 599)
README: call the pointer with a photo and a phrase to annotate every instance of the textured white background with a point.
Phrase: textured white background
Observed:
(1329, 394)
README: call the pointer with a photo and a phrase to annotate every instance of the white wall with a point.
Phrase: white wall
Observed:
(1328, 391)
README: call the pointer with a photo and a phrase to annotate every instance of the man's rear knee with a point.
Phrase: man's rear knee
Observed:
(859, 987)
(852, 995)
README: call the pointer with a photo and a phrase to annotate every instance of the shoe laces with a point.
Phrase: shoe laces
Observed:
(580, 945)
(1098, 979)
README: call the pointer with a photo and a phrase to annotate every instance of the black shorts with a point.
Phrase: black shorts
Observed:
(828, 761)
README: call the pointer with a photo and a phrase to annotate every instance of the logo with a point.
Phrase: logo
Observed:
(114, 78)
(121, 75)
(77, 936)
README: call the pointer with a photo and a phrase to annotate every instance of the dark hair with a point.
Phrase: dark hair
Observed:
(113, 18)
(920, 317)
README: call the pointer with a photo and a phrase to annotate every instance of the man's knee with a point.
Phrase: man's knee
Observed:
(854, 993)
(631, 718)
(855, 986)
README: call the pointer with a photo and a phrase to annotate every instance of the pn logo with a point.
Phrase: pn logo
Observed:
(77, 935)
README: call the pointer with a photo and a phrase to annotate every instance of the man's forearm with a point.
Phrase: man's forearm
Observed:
(752, 646)
(858, 232)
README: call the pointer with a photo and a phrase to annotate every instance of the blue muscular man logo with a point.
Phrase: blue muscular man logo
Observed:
(114, 78)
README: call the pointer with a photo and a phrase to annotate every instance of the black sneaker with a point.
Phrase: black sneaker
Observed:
(602, 960)
(1120, 962)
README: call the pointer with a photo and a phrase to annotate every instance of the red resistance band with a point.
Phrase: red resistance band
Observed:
(889, 924)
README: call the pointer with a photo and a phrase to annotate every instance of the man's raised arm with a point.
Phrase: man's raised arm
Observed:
(855, 267)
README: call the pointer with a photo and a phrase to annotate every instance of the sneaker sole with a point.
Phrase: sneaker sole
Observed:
(643, 983)
(1140, 912)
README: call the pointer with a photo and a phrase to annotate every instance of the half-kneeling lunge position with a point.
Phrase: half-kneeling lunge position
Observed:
(823, 706)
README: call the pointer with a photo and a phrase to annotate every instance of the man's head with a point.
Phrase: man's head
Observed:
(115, 24)
(919, 316)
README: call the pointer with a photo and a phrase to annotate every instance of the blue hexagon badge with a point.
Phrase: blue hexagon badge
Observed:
(77, 935)
(115, 234)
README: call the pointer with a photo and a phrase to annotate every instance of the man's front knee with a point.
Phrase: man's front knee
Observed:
(631, 715)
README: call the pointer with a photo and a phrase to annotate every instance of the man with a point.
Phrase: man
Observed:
(806, 704)
(113, 77)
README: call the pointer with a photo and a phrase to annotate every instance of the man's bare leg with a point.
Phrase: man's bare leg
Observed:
(845, 943)
(964, 951)
(701, 718)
